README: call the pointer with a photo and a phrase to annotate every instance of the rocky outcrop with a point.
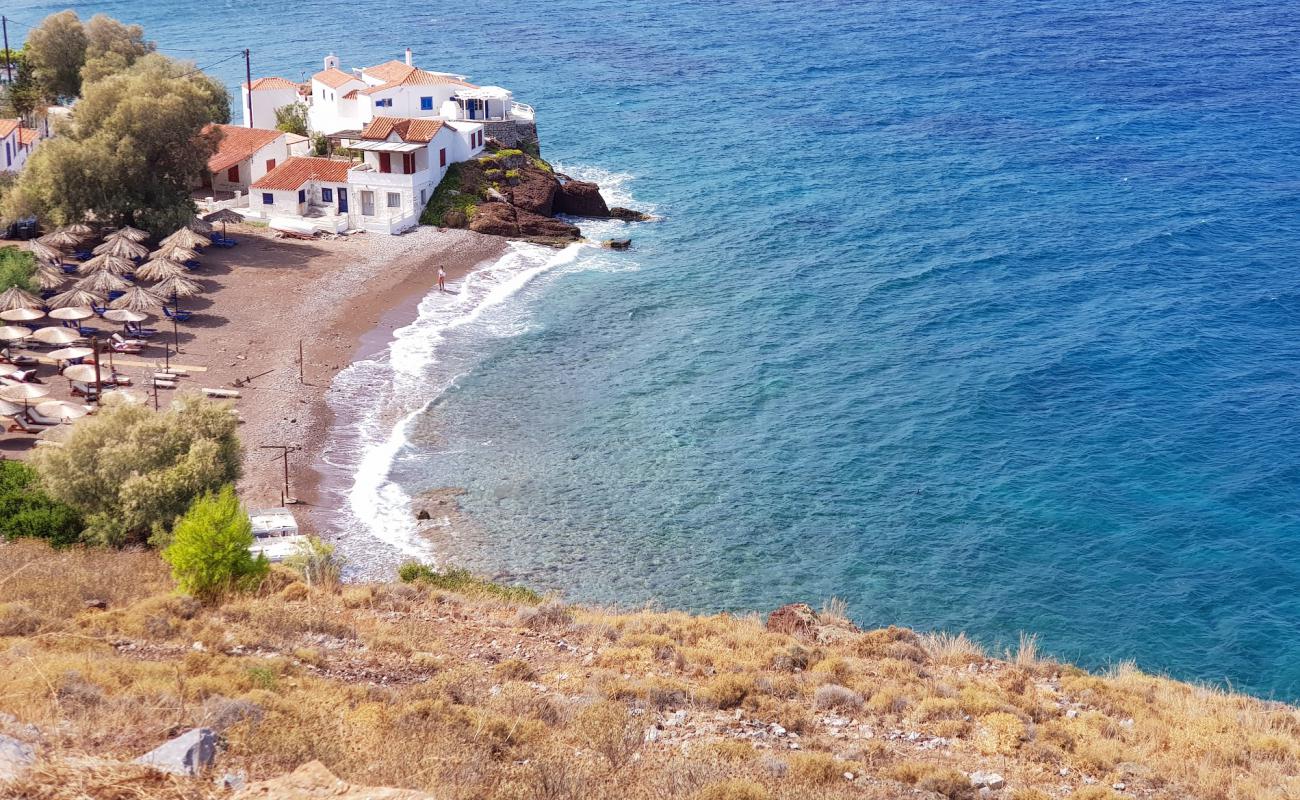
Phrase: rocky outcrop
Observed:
(535, 192)
(504, 219)
(629, 215)
(187, 754)
(312, 781)
(580, 199)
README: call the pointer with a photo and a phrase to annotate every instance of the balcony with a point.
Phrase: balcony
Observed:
(367, 175)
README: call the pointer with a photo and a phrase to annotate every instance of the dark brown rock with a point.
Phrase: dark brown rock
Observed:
(495, 219)
(629, 215)
(531, 224)
(535, 192)
(455, 219)
(502, 219)
(618, 244)
(580, 199)
(796, 619)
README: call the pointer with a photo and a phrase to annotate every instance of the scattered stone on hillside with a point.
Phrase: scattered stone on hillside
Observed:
(100, 604)
(580, 199)
(617, 244)
(629, 214)
(187, 754)
(234, 781)
(991, 780)
(796, 619)
(312, 781)
(15, 758)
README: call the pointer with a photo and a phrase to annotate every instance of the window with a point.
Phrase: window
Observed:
(384, 103)
(426, 103)
(385, 162)
(268, 199)
(302, 195)
(232, 174)
(326, 194)
(442, 157)
(408, 163)
(270, 164)
(424, 196)
(9, 156)
(394, 200)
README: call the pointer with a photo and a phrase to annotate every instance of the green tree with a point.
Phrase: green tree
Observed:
(112, 47)
(292, 118)
(136, 145)
(316, 562)
(23, 96)
(26, 511)
(128, 468)
(16, 268)
(209, 552)
(56, 51)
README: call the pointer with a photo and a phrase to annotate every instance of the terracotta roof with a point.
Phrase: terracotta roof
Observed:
(408, 130)
(410, 76)
(7, 126)
(28, 136)
(271, 83)
(389, 70)
(237, 144)
(333, 77)
(352, 95)
(298, 170)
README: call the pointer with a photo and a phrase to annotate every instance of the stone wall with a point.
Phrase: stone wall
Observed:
(510, 132)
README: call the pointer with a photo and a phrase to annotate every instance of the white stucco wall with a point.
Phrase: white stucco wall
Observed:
(253, 168)
(265, 103)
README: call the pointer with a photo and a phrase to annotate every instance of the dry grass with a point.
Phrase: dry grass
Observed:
(485, 695)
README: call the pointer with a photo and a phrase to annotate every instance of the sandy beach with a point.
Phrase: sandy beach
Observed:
(262, 299)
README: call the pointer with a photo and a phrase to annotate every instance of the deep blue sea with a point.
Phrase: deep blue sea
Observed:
(980, 316)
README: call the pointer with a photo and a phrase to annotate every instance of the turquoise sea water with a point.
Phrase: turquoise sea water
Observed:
(981, 317)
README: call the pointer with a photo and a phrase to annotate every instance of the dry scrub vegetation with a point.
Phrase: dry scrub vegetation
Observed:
(475, 694)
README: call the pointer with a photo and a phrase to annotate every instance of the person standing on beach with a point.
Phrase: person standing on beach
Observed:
(442, 279)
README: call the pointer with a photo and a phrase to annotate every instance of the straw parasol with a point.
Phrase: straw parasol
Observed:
(175, 251)
(12, 333)
(76, 297)
(8, 409)
(125, 315)
(62, 239)
(103, 283)
(48, 276)
(70, 353)
(72, 313)
(61, 410)
(127, 232)
(130, 397)
(45, 252)
(203, 225)
(56, 334)
(80, 372)
(122, 246)
(106, 263)
(223, 215)
(22, 392)
(187, 238)
(21, 314)
(138, 298)
(160, 269)
(17, 297)
(80, 229)
(178, 286)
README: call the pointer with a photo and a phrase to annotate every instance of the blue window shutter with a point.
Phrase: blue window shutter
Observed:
(426, 103)
(327, 194)
(302, 195)
(268, 199)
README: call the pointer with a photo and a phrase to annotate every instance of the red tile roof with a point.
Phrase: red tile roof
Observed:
(333, 77)
(7, 126)
(352, 95)
(238, 144)
(271, 83)
(28, 136)
(298, 170)
(408, 130)
(410, 76)
(389, 70)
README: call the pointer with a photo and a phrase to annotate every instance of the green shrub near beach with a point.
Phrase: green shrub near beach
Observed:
(451, 195)
(209, 553)
(16, 268)
(462, 581)
(26, 511)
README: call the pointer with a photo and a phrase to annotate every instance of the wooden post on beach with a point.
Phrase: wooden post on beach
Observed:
(285, 450)
(99, 386)
(154, 383)
(301, 379)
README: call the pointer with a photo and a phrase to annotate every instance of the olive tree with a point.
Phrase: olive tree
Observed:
(56, 52)
(130, 470)
(111, 47)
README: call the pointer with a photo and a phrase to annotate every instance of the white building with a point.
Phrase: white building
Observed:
(244, 155)
(18, 143)
(268, 95)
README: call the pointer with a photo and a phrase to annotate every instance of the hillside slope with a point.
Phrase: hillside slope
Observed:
(466, 690)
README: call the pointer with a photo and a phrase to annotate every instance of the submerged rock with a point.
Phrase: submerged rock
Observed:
(629, 215)
(618, 244)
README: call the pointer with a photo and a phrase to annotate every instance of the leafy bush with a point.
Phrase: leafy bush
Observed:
(209, 551)
(462, 581)
(316, 562)
(16, 268)
(452, 194)
(292, 118)
(26, 511)
(129, 468)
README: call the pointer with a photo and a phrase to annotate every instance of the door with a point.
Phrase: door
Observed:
(367, 204)
(385, 162)
(343, 200)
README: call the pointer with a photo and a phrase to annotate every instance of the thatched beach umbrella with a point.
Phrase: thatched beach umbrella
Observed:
(223, 215)
(61, 410)
(138, 298)
(102, 283)
(187, 238)
(178, 286)
(21, 314)
(127, 232)
(56, 334)
(23, 392)
(122, 246)
(203, 225)
(71, 353)
(81, 230)
(80, 372)
(174, 251)
(45, 252)
(16, 297)
(62, 239)
(106, 263)
(13, 333)
(72, 313)
(48, 276)
(125, 315)
(76, 297)
(159, 269)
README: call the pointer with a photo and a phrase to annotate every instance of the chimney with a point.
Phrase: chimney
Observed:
(331, 61)
(408, 57)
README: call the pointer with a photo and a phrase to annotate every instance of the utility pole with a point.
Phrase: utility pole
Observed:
(9, 62)
(285, 450)
(248, 74)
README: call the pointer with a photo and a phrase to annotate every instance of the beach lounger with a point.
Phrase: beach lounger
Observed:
(223, 241)
(85, 390)
(178, 315)
(68, 269)
(20, 422)
(231, 394)
(87, 331)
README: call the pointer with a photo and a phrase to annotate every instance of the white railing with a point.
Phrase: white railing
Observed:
(391, 223)
(522, 111)
(369, 176)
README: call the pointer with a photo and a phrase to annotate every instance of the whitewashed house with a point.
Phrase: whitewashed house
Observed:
(268, 95)
(304, 188)
(18, 143)
(243, 156)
